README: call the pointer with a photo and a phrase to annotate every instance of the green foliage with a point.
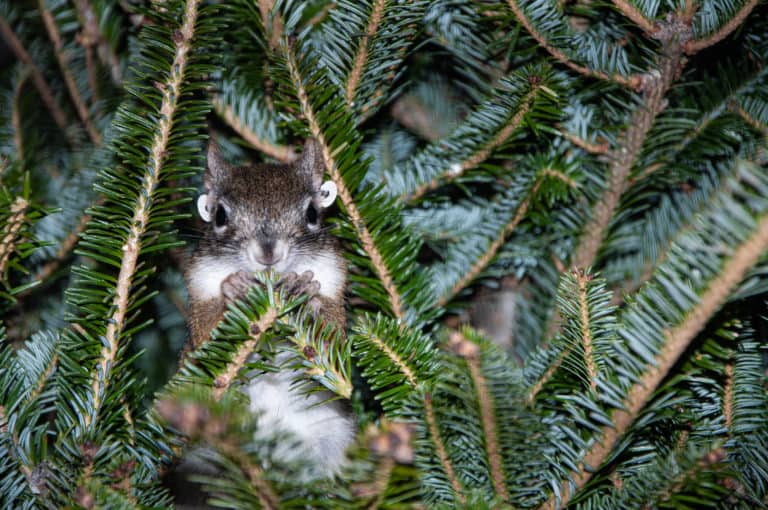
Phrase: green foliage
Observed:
(475, 146)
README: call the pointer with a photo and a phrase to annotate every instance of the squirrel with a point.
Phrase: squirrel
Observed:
(270, 217)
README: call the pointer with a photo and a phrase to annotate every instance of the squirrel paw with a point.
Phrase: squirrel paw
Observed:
(236, 285)
(299, 285)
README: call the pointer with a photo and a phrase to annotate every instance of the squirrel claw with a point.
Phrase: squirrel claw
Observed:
(236, 285)
(298, 285)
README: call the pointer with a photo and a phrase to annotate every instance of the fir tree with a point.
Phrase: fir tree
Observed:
(608, 158)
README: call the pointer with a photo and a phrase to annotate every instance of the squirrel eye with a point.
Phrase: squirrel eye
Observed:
(221, 216)
(311, 214)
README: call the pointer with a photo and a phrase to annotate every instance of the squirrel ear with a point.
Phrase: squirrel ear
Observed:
(216, 168)
(327, 194)
(311, 163)
(202, 208)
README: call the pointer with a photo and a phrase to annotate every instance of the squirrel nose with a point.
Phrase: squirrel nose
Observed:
(266, 252)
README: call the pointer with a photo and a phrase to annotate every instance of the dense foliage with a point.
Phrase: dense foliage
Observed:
(602, 165)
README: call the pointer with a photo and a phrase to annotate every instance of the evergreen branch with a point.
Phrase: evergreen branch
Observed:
(624, 156)
(37, 77)
(267, 497)
(69, 80)
(18, 138)
(696, 45)
(728, 396)
(441, 451)
(362, 52)
(65, 248)
(274, 30)
(632, 81)
(237, 362)
(633, 13)
(482, 262)
(171, 92)
(282, 153)
(457, 169)
(582, 278)
(470, 352)
(676, 342)
(344, 193)
(13, 225)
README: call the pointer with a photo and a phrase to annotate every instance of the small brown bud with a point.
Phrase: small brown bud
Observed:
(255, 329)
(309, 352)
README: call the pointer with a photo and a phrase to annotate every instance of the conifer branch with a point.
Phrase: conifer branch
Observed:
(69, 80)
(582, 279)
(482, 262)
(344, 193)
(624, 156)
(225, 380)
(728, 397)
(275, 30)
(632, 81)
(677, 340)
(283, 153)
(471, 354)
(457, 169)
(11, 230)
(696, 45)
(362, 52)
(171, 92)
(396, 359)
(442, 453)
(633, 13)
(381, 480)
(18, 138)
(37, 77)
(542, 381)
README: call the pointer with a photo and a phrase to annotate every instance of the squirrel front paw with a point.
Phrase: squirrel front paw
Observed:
(299, 285)
(236, 285)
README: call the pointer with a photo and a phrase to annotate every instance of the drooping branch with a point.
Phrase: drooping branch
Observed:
(345, 194)
(631, 81)
(37, 77)
(696, 45)
(362, 52)
(171, 92)
(64, 66)
(458, 169)
(677, 340)
(282, 153)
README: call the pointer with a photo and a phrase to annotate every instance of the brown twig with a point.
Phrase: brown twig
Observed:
(631, 81)
(345, 194)
(225, 380)
(631, 12)
(592, 148)
(362, 52)
(171, 91)
(69, 80)
(275, 29)
(471, 354)
(696, 45)
(728, 397)
(37, 77)
(11, 230)
(18, 139)
(282, 153)
(458, 169)
(442, 454)
(92, 36)
(582, 280)
(676, 342)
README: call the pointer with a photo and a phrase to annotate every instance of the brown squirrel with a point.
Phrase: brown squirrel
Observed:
(269, 216)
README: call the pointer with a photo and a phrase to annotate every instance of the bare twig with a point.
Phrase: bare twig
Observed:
(592, 148)
(631, 12)
(37, 77)
(631, 81)
(69, 80)
(676, 342)
(696, 45)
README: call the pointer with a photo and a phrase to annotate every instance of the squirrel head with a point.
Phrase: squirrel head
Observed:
(265, 214)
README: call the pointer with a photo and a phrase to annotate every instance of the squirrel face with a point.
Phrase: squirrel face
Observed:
(265, 216)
